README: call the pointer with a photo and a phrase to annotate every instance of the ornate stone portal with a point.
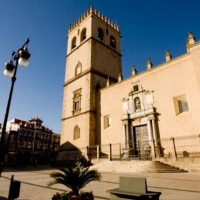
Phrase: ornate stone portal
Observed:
(141, 136)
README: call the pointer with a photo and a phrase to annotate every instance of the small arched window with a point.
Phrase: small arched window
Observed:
(76, 132)
(83, 34)
(74, 42)
(112, 42)
(78, 68)
(100, 34)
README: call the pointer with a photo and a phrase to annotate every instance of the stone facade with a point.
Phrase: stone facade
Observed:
(93, 55)
(169, 102)
(161, 102)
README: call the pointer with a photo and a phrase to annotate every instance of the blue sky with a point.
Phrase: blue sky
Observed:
(148, 28)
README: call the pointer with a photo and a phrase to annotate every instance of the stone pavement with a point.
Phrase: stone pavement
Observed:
(174, 186)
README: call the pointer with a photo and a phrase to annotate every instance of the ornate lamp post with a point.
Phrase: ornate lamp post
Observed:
(20, 57)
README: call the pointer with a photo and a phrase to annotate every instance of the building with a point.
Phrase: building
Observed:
(29, 142)
(141, 112)
(85, 72)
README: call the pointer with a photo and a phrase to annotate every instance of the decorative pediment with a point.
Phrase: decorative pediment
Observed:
(139, 103)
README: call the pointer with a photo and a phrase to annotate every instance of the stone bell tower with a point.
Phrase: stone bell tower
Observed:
(93, 56)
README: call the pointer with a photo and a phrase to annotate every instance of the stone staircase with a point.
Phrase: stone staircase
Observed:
(136, 166)
(191, 164)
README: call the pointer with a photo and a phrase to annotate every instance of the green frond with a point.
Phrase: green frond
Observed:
(74, 178)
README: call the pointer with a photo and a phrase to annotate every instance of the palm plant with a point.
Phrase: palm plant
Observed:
(74, 178)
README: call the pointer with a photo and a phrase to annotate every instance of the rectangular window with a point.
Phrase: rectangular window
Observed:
(135, 88)
(181, 104)
(107, 121)
(76, 105)
(77, 101)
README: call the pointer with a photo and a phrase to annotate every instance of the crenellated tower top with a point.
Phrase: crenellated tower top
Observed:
(93, 11)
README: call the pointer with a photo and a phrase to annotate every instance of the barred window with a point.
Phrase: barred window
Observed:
(183, 106)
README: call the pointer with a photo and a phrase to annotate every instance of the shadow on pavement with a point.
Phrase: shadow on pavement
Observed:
(3, 198)
(26, 168)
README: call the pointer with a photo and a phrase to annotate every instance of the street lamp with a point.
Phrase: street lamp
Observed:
(20, 57)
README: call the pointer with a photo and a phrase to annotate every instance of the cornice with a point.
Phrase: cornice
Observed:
(92, 71)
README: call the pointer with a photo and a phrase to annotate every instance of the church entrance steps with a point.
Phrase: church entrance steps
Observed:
(136, 166)
(191, 164)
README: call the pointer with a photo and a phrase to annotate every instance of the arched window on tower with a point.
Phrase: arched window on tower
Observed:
(76, 132)
(83, 34)
(112, 42)
(78, 68)
(74, 42)
(100, 34)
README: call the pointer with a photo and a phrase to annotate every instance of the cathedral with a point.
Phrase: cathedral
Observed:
(101, 108)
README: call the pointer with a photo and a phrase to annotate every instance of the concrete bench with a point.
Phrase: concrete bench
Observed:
(133, 188)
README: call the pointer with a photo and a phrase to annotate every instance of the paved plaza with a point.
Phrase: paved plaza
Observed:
(173, 186)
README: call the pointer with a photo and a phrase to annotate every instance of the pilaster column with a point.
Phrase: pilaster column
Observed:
(155, 135)
(131, 138)
(125, 128)
(127, 135)
(126, 139)
(158, 147)
(120, 153)
(149, 128)
(151, 138)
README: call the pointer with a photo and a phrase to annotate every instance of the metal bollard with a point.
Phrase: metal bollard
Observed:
(14, 189)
